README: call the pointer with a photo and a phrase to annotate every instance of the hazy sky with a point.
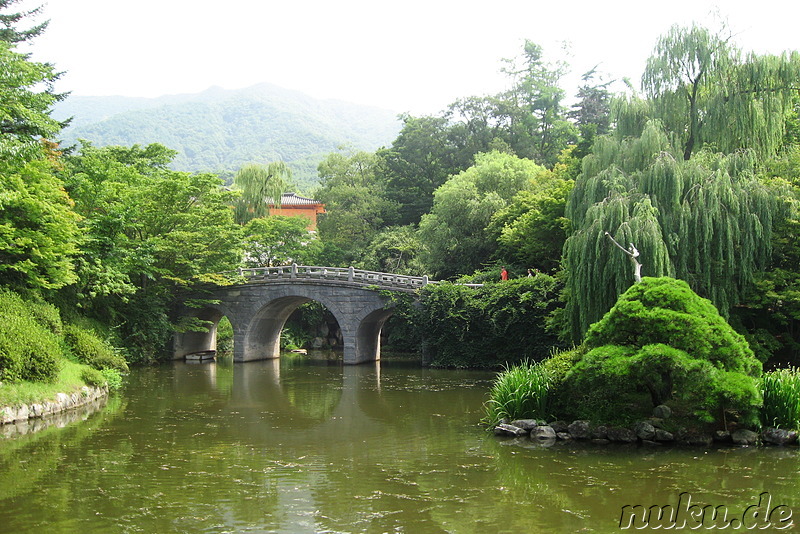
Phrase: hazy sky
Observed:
(408, 56)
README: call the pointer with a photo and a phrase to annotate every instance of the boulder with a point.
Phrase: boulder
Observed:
(564, 436)
(543, 432)
(663, 435)
(662, 411)
(600, 432)
(580, 429)
(618, 433)
(525, 424)
(694, 438)
(644, 431)
(23, 413)
(560, 426)
(744, 437)
(505, 429)
(722, 436)
(778, 436)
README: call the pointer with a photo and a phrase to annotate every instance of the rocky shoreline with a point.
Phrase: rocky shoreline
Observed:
(647, 432)
(62, 402)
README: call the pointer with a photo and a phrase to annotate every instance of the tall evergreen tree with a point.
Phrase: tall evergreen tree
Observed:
(9, 21)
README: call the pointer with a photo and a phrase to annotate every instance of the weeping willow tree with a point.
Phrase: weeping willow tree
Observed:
(259, 185)
(707, 220)
(705, 89)
(677, 178)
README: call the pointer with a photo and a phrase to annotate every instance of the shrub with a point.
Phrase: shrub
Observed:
(93, 377)
(520, 391)
(88, 348)
(662, 340)
(781, 390)
(48, 316)
(490, 325)
(112, 377)
(28, 349)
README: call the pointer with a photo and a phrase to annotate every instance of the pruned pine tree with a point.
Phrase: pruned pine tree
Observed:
(260, 185)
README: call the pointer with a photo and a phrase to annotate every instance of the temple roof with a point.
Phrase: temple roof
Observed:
(293, 199)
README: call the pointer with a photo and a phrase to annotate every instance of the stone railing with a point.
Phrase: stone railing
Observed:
(357, 276)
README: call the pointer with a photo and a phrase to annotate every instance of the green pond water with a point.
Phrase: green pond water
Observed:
(302, 445)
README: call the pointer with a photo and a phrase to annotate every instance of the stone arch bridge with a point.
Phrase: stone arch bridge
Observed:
(260, 301)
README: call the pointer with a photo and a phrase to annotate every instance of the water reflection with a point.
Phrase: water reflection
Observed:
(309, 446)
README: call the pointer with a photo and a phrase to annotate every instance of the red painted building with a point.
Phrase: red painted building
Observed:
(293, 205)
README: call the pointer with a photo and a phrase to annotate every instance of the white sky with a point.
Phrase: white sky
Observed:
(413, 56)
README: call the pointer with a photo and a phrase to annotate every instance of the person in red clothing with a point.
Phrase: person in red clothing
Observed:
(503, 274)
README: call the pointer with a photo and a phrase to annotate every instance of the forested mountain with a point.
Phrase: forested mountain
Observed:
(220, 130)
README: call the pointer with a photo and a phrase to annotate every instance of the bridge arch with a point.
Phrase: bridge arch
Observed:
(262, 335)
(261, 300)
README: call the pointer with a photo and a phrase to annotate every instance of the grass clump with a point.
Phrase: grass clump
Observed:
(520, 391)
(781, 390)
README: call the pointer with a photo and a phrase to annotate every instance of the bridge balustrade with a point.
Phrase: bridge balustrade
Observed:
(349, 274)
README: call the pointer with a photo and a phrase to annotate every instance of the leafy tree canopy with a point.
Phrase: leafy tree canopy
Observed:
(26, 97)
(709, 94)
(277, 240)
(260, 185)
(355, 203)
(455, 235)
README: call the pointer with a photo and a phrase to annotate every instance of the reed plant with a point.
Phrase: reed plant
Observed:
(520, 391)
(781, 389)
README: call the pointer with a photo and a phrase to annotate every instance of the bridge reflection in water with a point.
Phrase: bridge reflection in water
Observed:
(259, 301)
(324, 396)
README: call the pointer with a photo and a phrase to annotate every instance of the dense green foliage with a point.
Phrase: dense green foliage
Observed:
(781, 392)
(456, 234)
(663, 340)
(260, 186)
(707, 220)
(29, 347)
(148, 230)
(90, 349)
(488, 326)
(278, 240)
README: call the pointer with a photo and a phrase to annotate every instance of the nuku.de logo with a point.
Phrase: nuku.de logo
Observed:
(686, 515)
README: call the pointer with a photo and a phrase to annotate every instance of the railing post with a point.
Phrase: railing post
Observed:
(425, 280)
(294, 270)
(351, 273)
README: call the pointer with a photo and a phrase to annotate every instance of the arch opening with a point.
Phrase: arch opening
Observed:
(284, 324)
(209, 330)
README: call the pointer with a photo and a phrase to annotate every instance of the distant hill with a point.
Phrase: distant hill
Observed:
(219, 130)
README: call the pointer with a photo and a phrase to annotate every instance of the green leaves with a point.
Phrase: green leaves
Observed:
(456, 235)
(277, 240)
(38, 229)
(660, 337)
(488, 326)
